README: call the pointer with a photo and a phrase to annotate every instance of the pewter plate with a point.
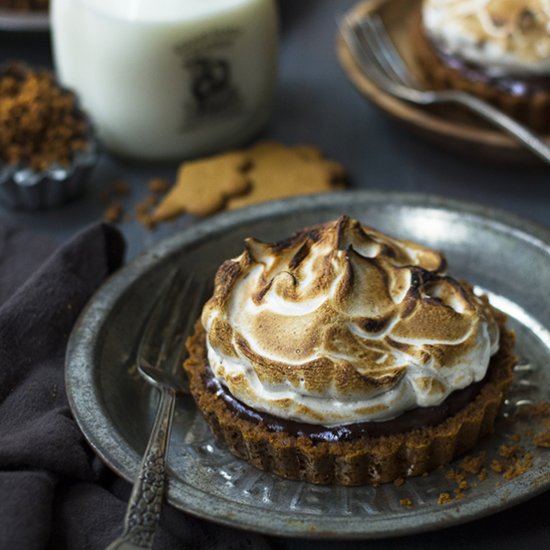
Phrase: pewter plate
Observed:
(507, 257)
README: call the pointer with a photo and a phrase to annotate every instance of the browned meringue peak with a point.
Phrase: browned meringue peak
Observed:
(341, 313)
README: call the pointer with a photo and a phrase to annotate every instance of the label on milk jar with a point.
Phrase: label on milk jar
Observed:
(213, 95)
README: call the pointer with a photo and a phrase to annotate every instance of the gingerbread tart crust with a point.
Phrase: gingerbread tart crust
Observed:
(532, 109)
(362, 460)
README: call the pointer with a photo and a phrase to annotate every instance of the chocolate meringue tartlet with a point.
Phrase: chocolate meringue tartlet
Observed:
(344, 356)
(498, 50)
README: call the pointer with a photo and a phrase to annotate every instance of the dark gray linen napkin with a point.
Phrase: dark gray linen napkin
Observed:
(54, 492)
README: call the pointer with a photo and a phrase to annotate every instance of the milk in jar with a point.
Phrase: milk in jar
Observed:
(169, 78)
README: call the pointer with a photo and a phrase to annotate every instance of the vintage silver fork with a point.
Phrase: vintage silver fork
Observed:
(376, 55)
(159, 358)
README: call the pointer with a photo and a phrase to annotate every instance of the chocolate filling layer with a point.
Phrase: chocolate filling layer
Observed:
(410, 420)
(512, 84)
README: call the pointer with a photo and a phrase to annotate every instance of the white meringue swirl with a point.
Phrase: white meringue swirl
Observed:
(342, 324)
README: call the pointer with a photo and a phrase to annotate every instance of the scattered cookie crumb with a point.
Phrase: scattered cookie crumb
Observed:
(542, 439)
(497, 466)
(473, 464)
(407, 502)
(399, 482)
(118, 188)
(451, 474)
(113, 213)
(515, 462)
(121, 188)
(508, 451)
(482, 476)
(158, 185)
(461, 483)
(144, 211)
(444, 498)
(519, 467)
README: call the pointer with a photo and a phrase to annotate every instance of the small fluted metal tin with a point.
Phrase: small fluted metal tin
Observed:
(26, 189)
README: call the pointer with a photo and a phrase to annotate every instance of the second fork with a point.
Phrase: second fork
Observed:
(376, 55)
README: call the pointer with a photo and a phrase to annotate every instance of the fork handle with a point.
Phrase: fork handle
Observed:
(503, 121)
(143, 512)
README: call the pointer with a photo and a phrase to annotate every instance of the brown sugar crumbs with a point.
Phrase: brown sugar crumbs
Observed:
(121, 188)
(519, 467)
(512, 461)
(509, 451)
(497, 466)
(473, 464)
(542, 439)
(144, 211)
(118, 188)
(459, 477)
(40, 124)
(158, 185)
(113, 213)
(513, 464)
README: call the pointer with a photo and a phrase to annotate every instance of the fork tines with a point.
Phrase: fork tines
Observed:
(376, 53)
(170, 321)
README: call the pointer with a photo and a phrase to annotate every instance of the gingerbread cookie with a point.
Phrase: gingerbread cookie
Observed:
(278, 171)
(203, 185)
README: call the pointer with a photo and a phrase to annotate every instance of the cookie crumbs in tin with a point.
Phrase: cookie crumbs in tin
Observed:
(40, 124)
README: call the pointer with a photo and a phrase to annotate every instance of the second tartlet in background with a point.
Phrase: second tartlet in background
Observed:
(498, 50)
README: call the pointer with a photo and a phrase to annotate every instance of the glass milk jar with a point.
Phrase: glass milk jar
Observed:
(169, 78)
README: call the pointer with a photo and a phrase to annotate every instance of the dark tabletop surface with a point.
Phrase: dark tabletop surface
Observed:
(316, 104)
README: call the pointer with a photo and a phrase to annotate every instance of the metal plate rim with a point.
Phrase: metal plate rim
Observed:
(120, 457)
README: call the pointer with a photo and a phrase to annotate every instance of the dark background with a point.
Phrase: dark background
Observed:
(316, 104)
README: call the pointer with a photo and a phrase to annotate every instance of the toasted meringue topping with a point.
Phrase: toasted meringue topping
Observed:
(342, 324)
(505, 37)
